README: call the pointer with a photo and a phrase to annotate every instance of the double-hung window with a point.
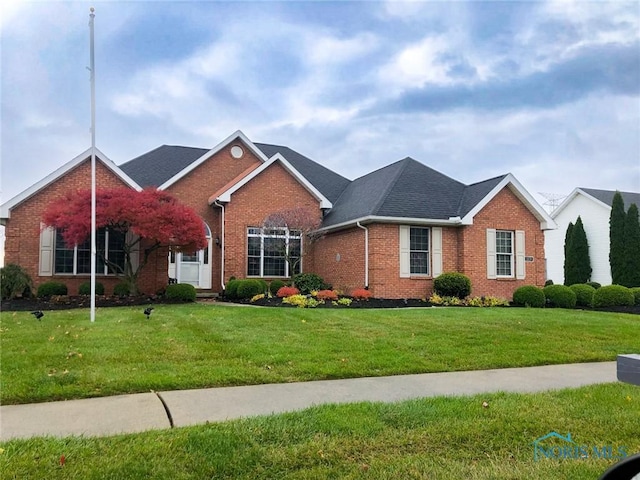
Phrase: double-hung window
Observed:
(76, 259)
(273, 252)
(504, 253)
(419, 251)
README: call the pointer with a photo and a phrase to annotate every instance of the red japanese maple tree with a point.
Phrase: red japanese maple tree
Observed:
(150, 217)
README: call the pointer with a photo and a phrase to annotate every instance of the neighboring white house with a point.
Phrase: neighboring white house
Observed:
(594, 208)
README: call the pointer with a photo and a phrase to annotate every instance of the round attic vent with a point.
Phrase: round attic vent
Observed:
(236, 151)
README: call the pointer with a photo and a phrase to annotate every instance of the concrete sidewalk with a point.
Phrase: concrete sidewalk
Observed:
(157, 410)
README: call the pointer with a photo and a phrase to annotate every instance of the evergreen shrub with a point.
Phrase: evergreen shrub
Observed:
(181, 291)
(48, 289)
(248, 288)
(584, 294)
(613, 296)
(309, 282)
(529, 296)
(14, 281)
(85, 288)
(559, 296)
(122, 289)
(452, 284)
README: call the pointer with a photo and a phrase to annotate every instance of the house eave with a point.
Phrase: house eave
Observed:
(369, 219)
(225, 197)
(5, 208)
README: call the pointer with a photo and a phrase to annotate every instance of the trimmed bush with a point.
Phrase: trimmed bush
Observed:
(275, 285)
(613, 296)
(309, 282)
(231, 289)
(529, 296)
(559, 296)
(14, 282)
(285, 292)
(122, 289)
(85, 288)
(181, 291)
(48, 289)
(452, 284)
(584, 294)
(636, 295)
(249, 288)
(595, 285)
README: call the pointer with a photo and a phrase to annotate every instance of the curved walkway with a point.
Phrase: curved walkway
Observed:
(158, 410)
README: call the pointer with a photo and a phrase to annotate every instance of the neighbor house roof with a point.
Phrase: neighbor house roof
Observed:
(603, 197)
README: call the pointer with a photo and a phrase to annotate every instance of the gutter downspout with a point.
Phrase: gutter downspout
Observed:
(221, 246)
(366, 255)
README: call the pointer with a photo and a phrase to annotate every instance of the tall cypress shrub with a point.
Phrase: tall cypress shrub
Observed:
(616, 239)
(631, 276)
(567, 249)
(579, 268)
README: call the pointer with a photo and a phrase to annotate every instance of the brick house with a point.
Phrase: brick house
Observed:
(393, 230)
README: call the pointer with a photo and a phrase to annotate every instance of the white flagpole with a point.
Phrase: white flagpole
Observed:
(93, 170)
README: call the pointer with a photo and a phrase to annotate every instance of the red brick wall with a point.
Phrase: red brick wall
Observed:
(22, 245)
(464, 250)
(274, 189)
(208, 178)
(504, 212)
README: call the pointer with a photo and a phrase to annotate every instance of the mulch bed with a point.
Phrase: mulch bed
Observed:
(83, 301)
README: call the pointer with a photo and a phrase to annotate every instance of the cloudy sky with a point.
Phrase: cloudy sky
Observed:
(549, 91)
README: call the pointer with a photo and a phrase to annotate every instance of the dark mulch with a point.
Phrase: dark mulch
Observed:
(83, 301)
(80, 301)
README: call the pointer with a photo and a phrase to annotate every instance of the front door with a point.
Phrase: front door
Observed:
(192, 267)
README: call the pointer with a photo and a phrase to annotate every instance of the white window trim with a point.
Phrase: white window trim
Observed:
(434, 258)
(518, 265)
(287, 236)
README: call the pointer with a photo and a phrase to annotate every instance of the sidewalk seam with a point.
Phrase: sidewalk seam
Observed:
(166, 408)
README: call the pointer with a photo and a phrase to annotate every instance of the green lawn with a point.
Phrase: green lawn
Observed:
(192, 346)
(434, 438)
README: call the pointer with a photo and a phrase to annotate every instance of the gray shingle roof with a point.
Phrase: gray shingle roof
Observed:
(404, 189)
(606, 196)
(154, 168)
(329, 183)
(407, 189)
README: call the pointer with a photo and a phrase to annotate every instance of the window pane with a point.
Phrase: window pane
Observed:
(253, 267)
(254, 246)
(84, 257)
(503, 242)
(419, 262)
(274, 267)
(274, 247)
(116, 251)
(63, 256)
(419, 239)
(503, 266)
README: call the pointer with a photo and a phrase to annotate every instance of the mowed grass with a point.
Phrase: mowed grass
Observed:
(64, 356)
(434, 438)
